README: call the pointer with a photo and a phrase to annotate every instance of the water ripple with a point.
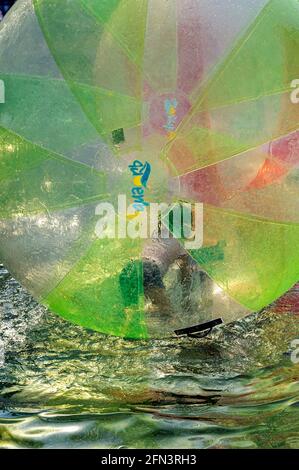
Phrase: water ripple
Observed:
(63, 386)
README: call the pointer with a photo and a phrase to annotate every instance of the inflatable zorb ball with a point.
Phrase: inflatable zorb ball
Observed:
(111, 104)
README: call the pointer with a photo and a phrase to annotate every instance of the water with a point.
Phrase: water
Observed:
(63, 386)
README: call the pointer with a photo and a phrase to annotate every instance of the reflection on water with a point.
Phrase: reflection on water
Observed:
(63, 386)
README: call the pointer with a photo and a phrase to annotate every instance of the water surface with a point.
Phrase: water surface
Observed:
(63, 386)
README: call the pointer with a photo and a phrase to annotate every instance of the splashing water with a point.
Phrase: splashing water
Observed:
(64, 386)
